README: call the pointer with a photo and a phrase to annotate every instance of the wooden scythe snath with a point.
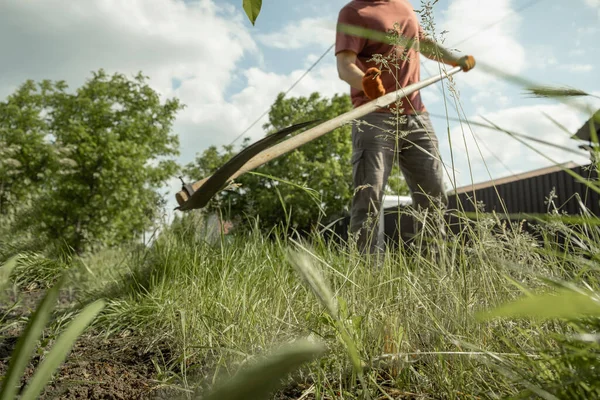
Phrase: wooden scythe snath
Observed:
(200, 192)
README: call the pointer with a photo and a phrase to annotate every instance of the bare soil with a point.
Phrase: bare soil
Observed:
(101, 368)
(96, 368)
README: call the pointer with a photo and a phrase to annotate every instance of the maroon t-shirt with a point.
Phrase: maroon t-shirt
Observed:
(381, 15)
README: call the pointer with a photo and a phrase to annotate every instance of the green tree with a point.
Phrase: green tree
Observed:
(25, 154)
(111, 151)
(315, 177)
(396, 184)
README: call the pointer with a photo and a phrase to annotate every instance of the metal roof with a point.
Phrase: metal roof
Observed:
(536, 192)
(395, 201)
(513, 178)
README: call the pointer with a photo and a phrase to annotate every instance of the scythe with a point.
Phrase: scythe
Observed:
(197, 194)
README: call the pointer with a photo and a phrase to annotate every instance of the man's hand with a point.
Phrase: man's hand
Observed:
(466, 63)
(372, 85)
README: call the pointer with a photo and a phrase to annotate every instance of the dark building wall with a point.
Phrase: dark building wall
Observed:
(526, 195)
(530, 195)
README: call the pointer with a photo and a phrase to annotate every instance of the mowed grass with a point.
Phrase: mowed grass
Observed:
(218, 304)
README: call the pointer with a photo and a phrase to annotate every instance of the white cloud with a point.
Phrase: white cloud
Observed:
(221, 122)
(505, 155)
(164, 39)
(577, 67)
(306, 32)
(542, 56)
(323, 80)
(200, 44)
(577, 52)
(262, 89)
(491, 43)
(588, 30)
(494, 97)
(431, 95)
(594, 4)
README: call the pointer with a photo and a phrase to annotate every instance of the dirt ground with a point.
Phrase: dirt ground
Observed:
(96, 368)
(107, 368)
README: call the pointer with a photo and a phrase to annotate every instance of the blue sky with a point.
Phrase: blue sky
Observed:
(228, 72)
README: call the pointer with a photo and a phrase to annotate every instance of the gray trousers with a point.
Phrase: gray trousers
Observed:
(379, 140)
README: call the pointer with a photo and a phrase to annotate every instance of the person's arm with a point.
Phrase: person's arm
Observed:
(436, 52)
(369, 81)
(347, 69)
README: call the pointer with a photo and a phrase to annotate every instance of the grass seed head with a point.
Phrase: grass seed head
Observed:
(550, 91)
(314, 279)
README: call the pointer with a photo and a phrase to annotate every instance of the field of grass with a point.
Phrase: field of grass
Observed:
(410, 327)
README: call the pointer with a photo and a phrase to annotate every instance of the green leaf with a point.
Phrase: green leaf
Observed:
(316, 282)
(252, 8)
(27, 343)
(260, 380)
(61, 349)
(567, 304)
(5, 272)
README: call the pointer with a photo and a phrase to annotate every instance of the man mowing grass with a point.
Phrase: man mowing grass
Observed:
(372, 68)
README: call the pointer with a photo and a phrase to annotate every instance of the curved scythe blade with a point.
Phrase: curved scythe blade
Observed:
(220, 178)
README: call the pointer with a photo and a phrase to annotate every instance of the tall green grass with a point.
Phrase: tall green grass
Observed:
(408, 326)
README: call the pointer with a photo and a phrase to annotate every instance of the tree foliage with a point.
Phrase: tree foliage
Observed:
(25, 155)
(315, 177)
(85, 167)
(396, 184)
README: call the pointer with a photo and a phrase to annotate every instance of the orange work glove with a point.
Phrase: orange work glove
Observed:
(466, 63)
(371, 83)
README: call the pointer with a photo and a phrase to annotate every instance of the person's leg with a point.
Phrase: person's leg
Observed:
(371, 165)
(421, 165)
